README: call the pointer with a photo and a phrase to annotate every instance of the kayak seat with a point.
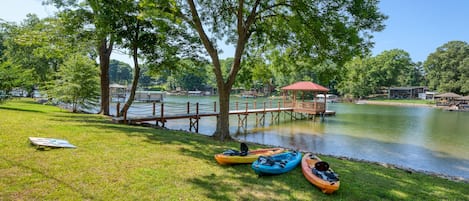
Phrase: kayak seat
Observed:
(266, 160)
(326, 175)
(321, 166)
(231, 152)
(244, 149)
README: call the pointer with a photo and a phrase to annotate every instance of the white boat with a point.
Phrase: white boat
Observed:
(330, 98)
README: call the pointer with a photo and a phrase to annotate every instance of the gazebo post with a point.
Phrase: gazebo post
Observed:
(314, 102)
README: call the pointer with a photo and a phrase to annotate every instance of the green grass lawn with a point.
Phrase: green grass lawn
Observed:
(120, 162)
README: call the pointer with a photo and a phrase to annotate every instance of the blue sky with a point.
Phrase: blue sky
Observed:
(416, 26)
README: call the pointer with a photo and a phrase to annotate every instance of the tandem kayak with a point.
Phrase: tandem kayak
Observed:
(318, 173)
(229, 157)
(276, 164)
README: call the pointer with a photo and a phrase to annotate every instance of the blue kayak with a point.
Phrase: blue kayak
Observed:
(276, 164)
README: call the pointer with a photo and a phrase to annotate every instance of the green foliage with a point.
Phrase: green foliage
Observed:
(120, 72)
(145, 80)
(190, 76)
(41, 45)
(364, 76)
(28, 46)
(12, 76)
(447, 69)
(393, 68)
(77, 83)
(358, 81)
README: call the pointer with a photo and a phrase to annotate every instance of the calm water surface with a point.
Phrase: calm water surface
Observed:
(421, 138)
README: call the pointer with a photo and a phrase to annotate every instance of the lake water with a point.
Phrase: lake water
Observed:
(421, 138)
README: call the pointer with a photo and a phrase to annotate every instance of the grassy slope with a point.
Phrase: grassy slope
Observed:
(119, 162)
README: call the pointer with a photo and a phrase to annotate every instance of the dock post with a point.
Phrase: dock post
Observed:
(245, 122)
(239, 117)
(197, 117)
(118, 108)
(278, 119)
(263, 116)
(188, 107)
(214, 106)
(162, 115)
(154, 108)
(125, 117)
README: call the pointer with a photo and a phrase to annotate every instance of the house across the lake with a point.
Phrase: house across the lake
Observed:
(406, 92)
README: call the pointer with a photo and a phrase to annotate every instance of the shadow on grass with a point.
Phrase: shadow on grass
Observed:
(20, 109)
(44, 174)
(241, 183)
(359, 181)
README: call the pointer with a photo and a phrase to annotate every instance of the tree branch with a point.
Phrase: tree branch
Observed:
(206, 41)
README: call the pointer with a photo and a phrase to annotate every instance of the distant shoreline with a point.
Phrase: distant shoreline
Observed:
(395, 103)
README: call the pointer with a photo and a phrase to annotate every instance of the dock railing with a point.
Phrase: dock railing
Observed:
(165, 110)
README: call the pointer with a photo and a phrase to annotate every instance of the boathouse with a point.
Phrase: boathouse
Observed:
(118, 93)
(302, 97)
(406, 92)
(447, 99)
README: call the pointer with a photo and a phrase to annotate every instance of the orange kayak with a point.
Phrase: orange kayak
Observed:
(251, 156)
(318, 173)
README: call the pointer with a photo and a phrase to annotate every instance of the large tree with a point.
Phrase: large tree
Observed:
(359, 80)
(447, 69)
(40, 46)
(322, 29)
(94, 16)
(28, 46)
(393, 68)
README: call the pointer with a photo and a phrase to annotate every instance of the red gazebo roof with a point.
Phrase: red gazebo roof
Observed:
(305, 86)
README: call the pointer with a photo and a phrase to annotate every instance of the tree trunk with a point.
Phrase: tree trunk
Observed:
(222, 132)
(134, 82)
(104, 50)
(224, 88)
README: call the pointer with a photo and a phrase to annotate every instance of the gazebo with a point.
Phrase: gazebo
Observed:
(302, 101)
(446, 99)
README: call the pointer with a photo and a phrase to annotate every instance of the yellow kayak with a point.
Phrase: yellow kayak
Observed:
(227, 159)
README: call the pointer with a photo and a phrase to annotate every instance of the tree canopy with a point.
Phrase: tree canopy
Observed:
(77, 83)
(365, 76)
(447, 69)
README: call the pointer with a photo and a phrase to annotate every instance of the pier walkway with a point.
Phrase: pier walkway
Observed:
(305, 110)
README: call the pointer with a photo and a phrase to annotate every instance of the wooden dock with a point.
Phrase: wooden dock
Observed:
(306, 111)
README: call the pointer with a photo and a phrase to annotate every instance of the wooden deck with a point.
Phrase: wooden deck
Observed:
(309, 109)
(134, 119)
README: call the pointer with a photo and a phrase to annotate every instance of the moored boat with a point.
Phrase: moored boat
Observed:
(318, 173)
(244, 156)
(276, 164)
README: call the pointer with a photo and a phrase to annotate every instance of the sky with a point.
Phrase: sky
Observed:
(416, 26)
